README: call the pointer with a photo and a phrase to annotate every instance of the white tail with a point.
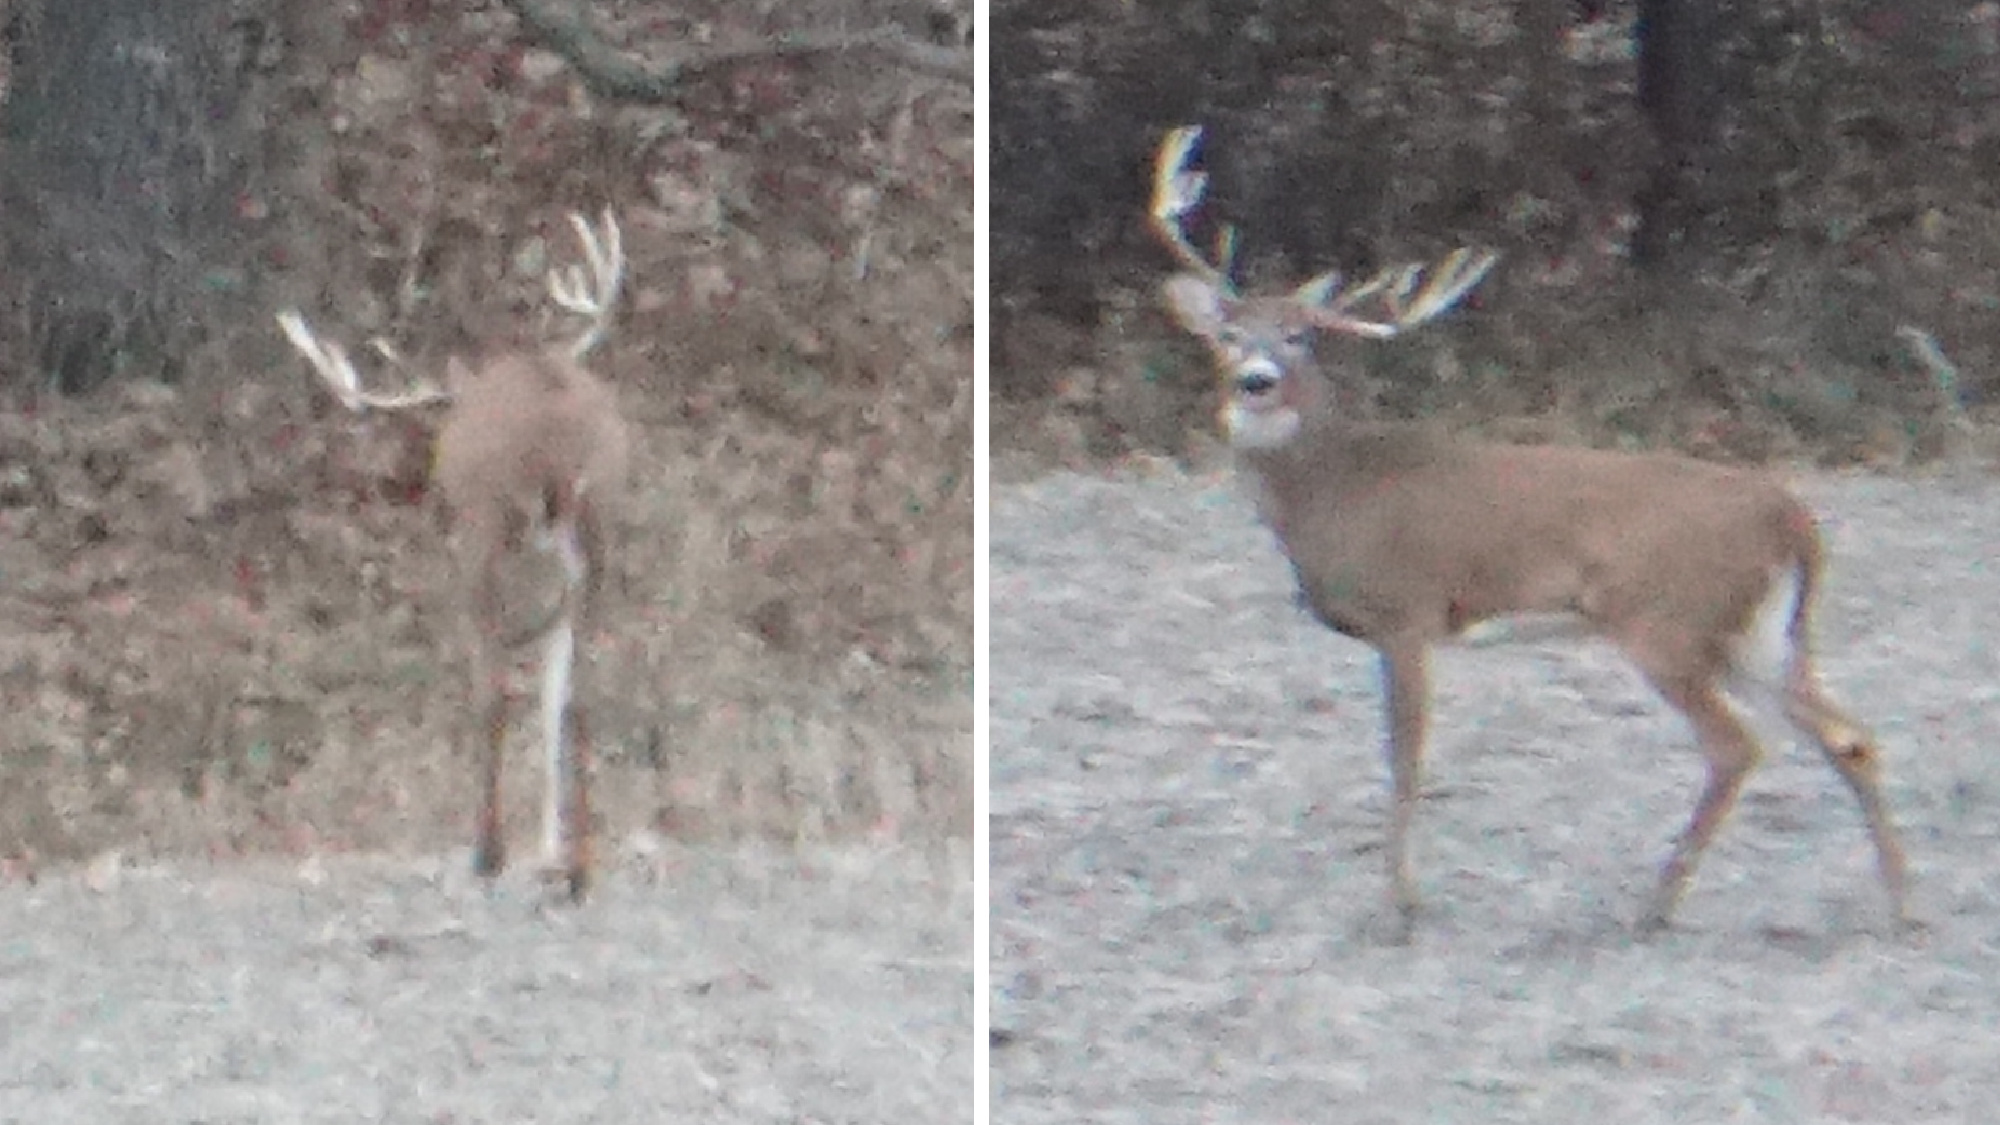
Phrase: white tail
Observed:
(1402, 536)
(531, 450)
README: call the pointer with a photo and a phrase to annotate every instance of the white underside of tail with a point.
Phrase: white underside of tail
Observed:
(558, 663)
(1764, 652)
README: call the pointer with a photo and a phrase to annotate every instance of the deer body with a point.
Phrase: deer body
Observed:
(532, 451)
(534, 440)
(535, 451)
(1402, 536)
(1399, 530)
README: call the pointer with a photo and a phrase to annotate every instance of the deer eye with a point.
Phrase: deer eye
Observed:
(1231, 335)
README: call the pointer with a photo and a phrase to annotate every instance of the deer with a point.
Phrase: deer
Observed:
(532, 451)
(1403, 536)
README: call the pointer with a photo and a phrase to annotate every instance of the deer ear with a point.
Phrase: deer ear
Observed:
(1195, 302)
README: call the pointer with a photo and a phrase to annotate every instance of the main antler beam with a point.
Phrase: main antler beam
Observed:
(1178, 190)
(330, 360)
(596, 296)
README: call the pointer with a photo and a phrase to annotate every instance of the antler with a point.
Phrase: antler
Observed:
(330, 360)
(1178, 190)
(596, 296)
(1449, 283)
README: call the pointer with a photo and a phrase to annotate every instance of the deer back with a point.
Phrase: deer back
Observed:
(530, 428)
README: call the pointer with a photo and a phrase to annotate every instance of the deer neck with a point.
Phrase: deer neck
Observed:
(1335, 462)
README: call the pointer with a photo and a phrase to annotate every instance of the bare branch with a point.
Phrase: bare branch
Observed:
(610, 75)
(1943, 372)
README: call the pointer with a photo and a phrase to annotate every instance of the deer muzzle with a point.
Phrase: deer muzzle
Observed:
(1256, 384)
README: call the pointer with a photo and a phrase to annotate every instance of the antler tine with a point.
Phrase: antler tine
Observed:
(1453, 278)
(596, 296)
(1178, 190)
(1456, 276)
(330, 360)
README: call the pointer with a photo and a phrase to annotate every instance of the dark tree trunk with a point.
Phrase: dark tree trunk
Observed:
(1679, 95)
(1678, 83)
(118, 183)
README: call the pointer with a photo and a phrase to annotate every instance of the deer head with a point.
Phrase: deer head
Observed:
(1263, 343)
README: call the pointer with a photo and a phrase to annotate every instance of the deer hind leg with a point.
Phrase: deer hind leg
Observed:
(584, 588)
(1777, 665)
(489, 698)
(490, 710)
(1853, 752)
(1406, 697)
(1691, 684)
(566, 789)
(582, 765)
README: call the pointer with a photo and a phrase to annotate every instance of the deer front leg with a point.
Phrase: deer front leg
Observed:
(1406, 696)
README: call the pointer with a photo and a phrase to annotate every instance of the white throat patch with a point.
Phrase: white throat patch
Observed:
(1260, 429)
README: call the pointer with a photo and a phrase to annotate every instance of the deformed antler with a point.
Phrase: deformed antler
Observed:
(596, 296)
(330, 360)
(1178, 190)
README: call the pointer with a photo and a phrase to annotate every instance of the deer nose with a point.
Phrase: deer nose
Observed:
(1256, 379)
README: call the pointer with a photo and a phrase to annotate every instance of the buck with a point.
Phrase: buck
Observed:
(1402, 536)
(531, 451)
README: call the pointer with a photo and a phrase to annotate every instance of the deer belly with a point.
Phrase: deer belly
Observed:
(1342, 605)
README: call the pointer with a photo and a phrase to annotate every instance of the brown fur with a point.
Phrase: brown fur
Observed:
(1402, 535)
(533, 440)
(532, 444)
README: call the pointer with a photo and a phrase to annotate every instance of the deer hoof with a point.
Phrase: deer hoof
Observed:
(573, 879)
(1395, 926)
(1652, 924)
(489, 860)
